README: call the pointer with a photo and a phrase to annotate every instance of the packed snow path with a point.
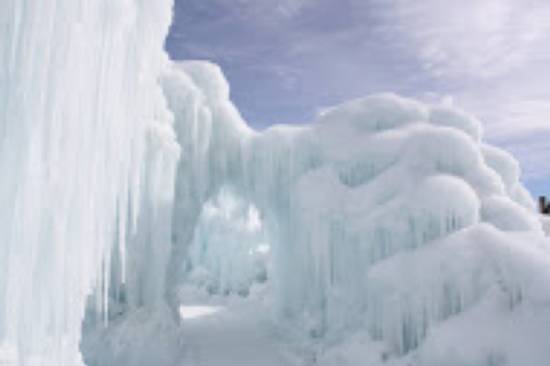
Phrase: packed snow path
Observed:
(236, 334)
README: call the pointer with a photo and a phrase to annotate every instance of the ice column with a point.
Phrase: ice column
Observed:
(80, 114)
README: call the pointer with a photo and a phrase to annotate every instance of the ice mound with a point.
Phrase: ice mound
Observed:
(385, 214)
(144, 337)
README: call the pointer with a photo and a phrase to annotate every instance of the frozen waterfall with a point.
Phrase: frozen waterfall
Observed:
(388, 231)
(85, 141)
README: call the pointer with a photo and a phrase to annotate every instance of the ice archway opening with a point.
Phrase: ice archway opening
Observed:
(230, 250)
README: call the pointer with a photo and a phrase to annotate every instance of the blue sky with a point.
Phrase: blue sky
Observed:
(288, 59)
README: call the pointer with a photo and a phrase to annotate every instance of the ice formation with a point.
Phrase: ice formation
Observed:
(126, 175)
(85, 142)
(385, 214)
(229, 252)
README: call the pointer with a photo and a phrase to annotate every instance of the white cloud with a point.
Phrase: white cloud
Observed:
(529, 118)
(469, 38)
(269, 11)
(509, 118)
(534, 156)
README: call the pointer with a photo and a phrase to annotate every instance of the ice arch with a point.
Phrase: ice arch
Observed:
(230, 250)
(387, 215)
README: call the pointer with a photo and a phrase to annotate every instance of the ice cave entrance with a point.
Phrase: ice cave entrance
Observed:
(223, 296)
(229, 256)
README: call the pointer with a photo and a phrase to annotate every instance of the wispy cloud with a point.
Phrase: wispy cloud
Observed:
(524, 119)
(469, 38)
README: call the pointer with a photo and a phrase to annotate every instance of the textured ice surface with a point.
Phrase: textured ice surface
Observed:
(396, 235)
(386, 217)
(85, 137)
(229, 252)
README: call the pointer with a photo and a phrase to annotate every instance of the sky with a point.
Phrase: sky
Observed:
(286, 60)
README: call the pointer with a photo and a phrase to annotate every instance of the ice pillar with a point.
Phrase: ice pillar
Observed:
(78, 99)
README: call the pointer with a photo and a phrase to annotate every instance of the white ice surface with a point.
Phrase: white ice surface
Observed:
(386, 217)
(85, 138)
(236, 333)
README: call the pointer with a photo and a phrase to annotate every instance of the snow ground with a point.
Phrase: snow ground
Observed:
(212, 331)
(237, 333)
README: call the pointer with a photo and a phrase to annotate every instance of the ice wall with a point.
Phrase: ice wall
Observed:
(385, 215)
(85, 140)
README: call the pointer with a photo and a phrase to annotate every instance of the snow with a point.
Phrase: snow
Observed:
(143, 222)
(198, 311)
(236, 334)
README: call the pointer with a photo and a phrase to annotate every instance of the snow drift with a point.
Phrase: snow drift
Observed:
(397, 236)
